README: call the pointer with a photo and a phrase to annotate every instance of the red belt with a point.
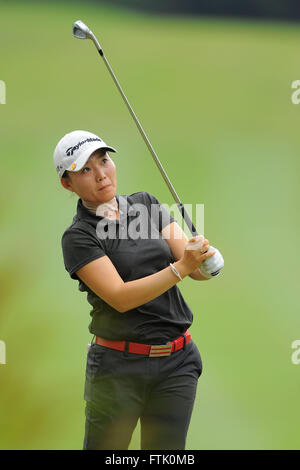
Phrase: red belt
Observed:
(150, 350)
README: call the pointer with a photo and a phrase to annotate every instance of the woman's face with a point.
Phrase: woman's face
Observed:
(98, 172)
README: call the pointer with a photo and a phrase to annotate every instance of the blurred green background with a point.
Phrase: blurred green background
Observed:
(214, 97)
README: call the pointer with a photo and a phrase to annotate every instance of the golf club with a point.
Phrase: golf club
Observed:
(81, 31)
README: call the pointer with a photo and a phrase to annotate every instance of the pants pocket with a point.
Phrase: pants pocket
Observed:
(94, 365)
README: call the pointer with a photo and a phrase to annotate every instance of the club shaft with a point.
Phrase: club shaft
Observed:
(180, 206)
(142, 132)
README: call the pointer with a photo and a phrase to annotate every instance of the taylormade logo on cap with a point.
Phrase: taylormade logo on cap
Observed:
(75, 148)
(70, 150)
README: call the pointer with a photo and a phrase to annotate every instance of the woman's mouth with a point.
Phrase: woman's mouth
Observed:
(104, 187)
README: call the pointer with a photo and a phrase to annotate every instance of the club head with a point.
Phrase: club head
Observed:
(81, 31)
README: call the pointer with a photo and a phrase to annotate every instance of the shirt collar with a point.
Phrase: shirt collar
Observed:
(125, 208)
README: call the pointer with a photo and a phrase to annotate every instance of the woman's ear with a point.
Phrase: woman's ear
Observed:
(66, 183)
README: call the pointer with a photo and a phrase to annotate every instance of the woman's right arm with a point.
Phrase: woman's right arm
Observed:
(102, 278)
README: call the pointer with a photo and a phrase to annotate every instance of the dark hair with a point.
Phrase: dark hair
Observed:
(65, 174)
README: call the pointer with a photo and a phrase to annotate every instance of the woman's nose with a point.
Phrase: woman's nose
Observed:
(100, 173)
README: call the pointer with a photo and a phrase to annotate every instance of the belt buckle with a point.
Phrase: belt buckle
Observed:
(159, 350)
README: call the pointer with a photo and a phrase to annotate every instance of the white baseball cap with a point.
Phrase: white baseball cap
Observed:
(75, 148)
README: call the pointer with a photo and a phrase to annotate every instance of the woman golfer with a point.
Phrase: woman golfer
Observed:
(128, 253)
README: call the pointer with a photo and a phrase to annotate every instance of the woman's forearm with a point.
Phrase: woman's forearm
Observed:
(138, 292)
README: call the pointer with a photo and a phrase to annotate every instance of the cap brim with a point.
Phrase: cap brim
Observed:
(81, 161)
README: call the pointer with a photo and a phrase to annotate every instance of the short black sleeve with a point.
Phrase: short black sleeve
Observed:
(164, 217)
(80, 248)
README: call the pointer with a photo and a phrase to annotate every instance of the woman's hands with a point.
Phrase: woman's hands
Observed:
(195, 253)
(189, 255)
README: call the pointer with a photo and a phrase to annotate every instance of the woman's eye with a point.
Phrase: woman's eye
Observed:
(86, 168)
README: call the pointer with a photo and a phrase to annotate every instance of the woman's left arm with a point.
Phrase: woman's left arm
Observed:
(177, 240)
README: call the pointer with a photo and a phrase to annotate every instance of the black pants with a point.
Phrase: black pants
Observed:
(122, 387)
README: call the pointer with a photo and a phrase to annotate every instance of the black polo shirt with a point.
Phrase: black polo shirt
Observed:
(134, 256)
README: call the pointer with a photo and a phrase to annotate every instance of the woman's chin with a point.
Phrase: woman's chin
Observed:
(106, 195)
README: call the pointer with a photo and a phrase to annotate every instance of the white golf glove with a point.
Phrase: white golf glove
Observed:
(212, 266)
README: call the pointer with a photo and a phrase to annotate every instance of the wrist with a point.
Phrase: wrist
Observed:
(182, 268)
